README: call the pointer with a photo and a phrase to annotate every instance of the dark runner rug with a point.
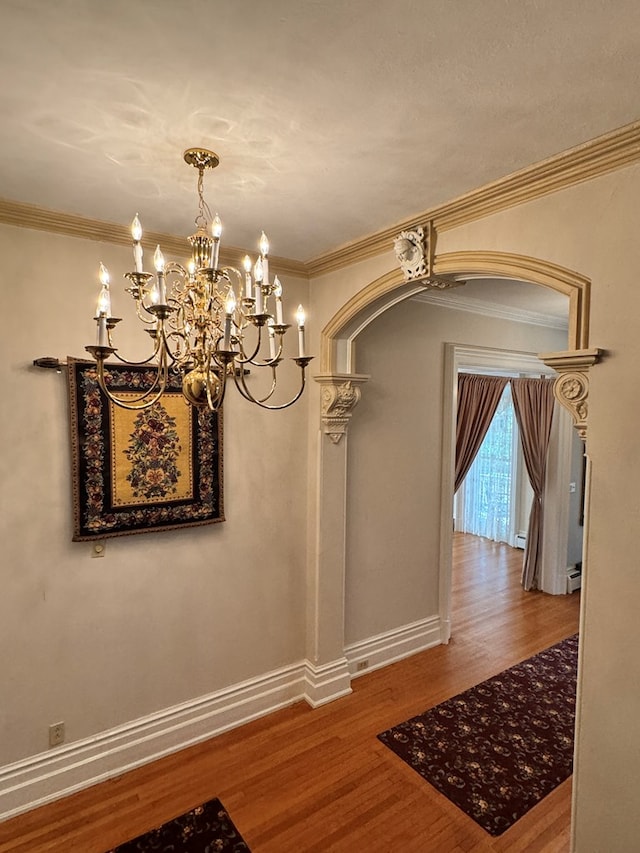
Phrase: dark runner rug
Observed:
(497, 749)
(205, 829)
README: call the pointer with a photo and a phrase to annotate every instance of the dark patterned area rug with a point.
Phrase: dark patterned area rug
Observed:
(206, 829)
(497, 749)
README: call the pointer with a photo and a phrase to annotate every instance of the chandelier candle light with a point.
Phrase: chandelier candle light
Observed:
(201, 326)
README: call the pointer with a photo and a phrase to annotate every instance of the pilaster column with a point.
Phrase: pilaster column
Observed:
(328, 673)
(571, 388)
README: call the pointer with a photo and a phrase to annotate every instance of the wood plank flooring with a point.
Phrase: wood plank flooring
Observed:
(313, 781)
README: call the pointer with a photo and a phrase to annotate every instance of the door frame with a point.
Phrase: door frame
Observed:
(553, 572)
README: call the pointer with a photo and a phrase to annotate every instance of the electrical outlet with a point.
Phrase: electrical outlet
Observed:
(362, 664)
(56, 734)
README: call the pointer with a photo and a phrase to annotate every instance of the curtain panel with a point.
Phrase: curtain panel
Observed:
(478, 398)
(533, 403)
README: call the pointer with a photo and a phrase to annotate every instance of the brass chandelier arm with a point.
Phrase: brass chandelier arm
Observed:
(242, 358)
(215, 401)
(156, 350)
(143, 401)
(302, 363)
(272, 361)
(140, 307)
(239, 378)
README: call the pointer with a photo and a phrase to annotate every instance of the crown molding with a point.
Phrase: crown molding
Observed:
(614, 150)
(38, 218)
(489, 309)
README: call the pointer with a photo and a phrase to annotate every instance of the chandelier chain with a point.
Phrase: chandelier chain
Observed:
(204, 212)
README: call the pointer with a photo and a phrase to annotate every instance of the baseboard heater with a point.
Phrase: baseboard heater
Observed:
(574, 578)
(521, 541)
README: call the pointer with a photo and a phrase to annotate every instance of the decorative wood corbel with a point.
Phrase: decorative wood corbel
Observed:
(415, 250)
(571, 388)
(340, 394)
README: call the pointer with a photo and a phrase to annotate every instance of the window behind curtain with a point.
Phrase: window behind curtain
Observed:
(487, 499)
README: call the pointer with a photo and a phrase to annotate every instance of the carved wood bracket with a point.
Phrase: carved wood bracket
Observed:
(416, 253)
(340, 394)
(571, 388)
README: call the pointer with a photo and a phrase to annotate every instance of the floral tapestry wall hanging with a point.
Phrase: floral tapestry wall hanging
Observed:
(142, 470)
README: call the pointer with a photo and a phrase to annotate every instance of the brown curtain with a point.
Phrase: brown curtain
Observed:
(533, 404)
(478, 398)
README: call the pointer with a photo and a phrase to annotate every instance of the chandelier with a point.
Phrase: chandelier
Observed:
(207, 323)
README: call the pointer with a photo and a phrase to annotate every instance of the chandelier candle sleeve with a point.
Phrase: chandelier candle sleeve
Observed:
(103, 337)
(257, 275)
(104, 297)
(272, 340)
(248, 292)
(216, 230)
(136, 233)
(229, 308)
(300, 318)
(158, 259)
(277, 292)
(264, 252)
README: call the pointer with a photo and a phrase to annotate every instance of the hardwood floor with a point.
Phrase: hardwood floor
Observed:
(311, 781)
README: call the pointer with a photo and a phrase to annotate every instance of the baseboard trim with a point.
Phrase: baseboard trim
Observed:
(383, 649)
(326, 682)
(49, 776)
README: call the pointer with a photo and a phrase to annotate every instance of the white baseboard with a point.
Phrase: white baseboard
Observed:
(383, 649)
(326, 682)
(62, 771)
(48, 776)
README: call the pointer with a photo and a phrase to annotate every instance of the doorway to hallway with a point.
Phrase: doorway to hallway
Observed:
(470, 359)
(490, 499)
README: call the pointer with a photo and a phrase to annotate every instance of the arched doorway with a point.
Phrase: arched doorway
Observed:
(329, 670)
(338, 336)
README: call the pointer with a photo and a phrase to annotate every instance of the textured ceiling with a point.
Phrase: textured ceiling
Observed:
(332, 119)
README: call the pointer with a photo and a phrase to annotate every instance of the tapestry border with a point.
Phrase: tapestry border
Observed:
(93, 516)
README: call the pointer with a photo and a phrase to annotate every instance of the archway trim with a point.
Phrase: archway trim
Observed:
(326, 642)
(391, 287)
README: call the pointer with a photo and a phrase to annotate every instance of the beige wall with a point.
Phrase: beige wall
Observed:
(162, 618)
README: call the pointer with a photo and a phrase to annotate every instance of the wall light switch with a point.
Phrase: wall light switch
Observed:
(572, 487)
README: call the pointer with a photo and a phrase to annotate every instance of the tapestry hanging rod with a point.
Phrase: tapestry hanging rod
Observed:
(49, 362)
